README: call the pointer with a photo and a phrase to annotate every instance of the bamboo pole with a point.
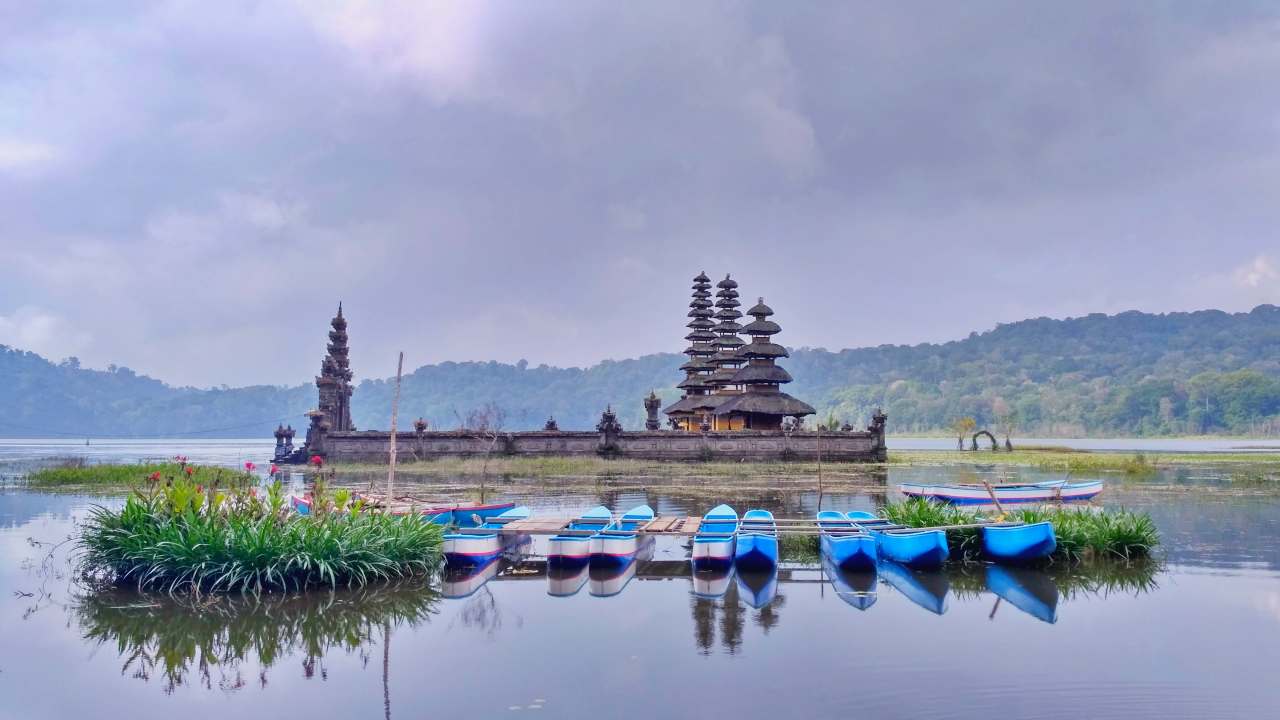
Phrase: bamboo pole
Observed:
(395, 416)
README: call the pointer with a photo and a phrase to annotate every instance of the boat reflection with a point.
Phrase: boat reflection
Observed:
(855, 588)
(758, 588)
(461, 582)
(1031, 591)
(926, 588)
(712, 583)
(609, 581)
(565, 581)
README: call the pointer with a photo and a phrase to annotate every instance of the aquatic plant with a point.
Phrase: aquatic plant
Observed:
(799, 549)
(1082, 533)
(179, 536)
(77, 473)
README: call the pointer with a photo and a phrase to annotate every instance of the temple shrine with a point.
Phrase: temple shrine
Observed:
(731, 406)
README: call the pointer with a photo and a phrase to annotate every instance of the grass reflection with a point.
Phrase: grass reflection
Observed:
(215, 640)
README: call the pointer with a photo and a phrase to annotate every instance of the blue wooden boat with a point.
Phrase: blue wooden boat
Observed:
(618, 543)
(713, 545)
(474, 547)
(573, 546)
(1019, 543)
(757, 546)
(856, 588)
(1031, 591)
(926, 588)
(846, 545)
(758, 587)
(913, 548)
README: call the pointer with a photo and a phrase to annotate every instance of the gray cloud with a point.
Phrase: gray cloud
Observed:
(188, 189)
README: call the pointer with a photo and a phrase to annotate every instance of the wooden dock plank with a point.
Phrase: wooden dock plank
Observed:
(536, 526)
(661, 524)
(690, 525)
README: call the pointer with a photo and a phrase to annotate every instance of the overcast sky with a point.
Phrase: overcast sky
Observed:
(189, 189)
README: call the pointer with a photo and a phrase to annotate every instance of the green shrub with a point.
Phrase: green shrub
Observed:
(179, 536)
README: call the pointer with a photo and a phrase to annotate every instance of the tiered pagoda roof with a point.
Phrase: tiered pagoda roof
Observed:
(727, 342)
(334, 381)
(701, 350)
(761, 377)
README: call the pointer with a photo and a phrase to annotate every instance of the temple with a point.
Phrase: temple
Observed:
(731, 407)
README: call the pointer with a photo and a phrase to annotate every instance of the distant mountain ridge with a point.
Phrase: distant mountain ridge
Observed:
(1133, 373)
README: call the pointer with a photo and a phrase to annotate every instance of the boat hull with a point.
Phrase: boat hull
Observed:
(851, 553)
(924, 549)
(1031, 591)
(927, 589)
(1033, 493)
(608, 550)
(568, 551)
(1020, 543)
(714, 553)
(756, 552)
(468, 550)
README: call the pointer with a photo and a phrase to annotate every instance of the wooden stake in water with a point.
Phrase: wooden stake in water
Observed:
(395, 416)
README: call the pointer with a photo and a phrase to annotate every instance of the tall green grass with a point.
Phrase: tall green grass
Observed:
(1082, 533)
(178, 536)
(75, 472)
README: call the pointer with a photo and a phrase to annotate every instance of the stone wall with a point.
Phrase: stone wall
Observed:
(742, 445)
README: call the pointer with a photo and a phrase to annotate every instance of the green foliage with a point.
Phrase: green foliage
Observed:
(1129, 374)
(75, 473)
(1082, 533)
(799, 548)
(178, 536)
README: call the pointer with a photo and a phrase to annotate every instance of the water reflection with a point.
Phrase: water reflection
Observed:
(217, 641)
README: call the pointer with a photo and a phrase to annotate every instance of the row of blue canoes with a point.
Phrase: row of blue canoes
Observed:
(856, 541)
(852, 541)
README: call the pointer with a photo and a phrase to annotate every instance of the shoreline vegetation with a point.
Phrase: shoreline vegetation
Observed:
(1047, 458)
(179, 536)
(1248, 467)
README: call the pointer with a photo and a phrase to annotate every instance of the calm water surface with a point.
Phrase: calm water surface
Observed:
(1196, 636)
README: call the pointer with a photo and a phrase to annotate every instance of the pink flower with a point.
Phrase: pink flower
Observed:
(317, 460)
(249, 467)
(274, 469)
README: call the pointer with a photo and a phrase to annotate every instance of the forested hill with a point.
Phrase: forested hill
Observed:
(1133, 373)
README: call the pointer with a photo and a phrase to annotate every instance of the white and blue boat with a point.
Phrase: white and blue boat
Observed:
(572, 547)
(1031, 591)
(713, 545)
(847, 546)
(913, 548)
(480, 545)
(1007, 493)
(757, 544)
(618, 543)
(1019, 543)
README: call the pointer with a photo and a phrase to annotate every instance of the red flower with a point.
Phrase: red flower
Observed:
(253, 492)
(199, 488)
(188, 470)
(317, 460)
(274, 469)
(154, 477)
(249, 467)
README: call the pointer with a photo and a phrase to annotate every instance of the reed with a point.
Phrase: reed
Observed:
(1082, 533)
(177, 536)
(76, 473)
(799, 549)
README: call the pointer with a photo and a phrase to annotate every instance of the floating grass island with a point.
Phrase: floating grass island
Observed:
(77, 474)
(179, 536)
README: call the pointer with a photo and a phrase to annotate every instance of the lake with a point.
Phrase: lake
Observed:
(1196, 635)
